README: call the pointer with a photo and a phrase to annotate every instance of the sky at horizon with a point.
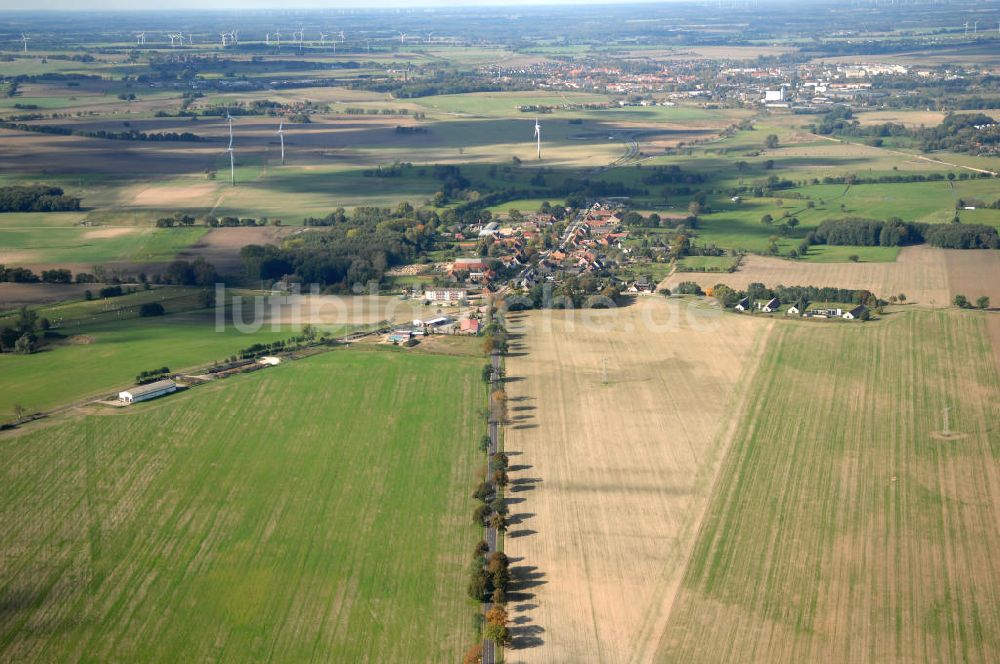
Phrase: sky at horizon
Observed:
(279, 5)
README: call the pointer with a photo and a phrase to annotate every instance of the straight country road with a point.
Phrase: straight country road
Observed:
(489, 648)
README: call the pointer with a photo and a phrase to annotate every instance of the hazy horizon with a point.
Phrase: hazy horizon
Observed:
(271, 5)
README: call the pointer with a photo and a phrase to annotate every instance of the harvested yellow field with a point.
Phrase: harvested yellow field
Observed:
(609, 479)
(974, 273)
(921, 273)
(908, 118)
(165, 196)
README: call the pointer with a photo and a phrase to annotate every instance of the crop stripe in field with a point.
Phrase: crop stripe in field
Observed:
(651, 633)
(842, 529)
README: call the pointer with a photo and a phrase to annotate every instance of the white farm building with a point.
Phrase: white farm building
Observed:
(148, 391)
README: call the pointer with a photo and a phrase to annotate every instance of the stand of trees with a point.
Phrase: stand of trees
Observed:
(586, 291)
(896, 233)
(355, 249)
(23, 336)
(36, 198)
(151, 375)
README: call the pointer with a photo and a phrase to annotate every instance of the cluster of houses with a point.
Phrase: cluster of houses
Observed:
(584, 249)
(593, 243)
(800, 309)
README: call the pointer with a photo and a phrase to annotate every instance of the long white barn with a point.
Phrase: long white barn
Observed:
(149, 391)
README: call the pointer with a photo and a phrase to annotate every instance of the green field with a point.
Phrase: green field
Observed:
(708, 263)
(103, 356)
(324, 518)
(842, 529)
(47, 244)
(738, 226)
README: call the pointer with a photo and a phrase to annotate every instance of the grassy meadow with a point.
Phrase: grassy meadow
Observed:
(843, 527)
(101, 352)
(324, 518)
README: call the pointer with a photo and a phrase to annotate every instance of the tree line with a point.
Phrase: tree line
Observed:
(127, 135)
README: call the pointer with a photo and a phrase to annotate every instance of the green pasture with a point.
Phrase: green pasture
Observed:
(707, 263)
(738, 225)
(524, 205)
(317, 510)
(106, 355)
(85, 245)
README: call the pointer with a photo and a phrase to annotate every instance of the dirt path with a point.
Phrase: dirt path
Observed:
(910, 155)
(615, 476)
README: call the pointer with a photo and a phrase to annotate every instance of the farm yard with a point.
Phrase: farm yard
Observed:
(301, 526)
(614, 477)
(844, 527)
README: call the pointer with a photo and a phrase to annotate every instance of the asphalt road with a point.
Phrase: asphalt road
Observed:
(489, 648)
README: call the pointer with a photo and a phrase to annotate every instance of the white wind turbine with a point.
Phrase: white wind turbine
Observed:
(225, 39)
(232, 160)
(323, 36)
(25, 39)
(277, 37)
(281, 135)
(173, 38)
(140, 38)
(538, 138)
(402, 37)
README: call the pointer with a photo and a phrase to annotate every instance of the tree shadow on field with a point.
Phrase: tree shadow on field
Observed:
(521, 532)
(517, 519)
(524, 632)
(524, 483)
